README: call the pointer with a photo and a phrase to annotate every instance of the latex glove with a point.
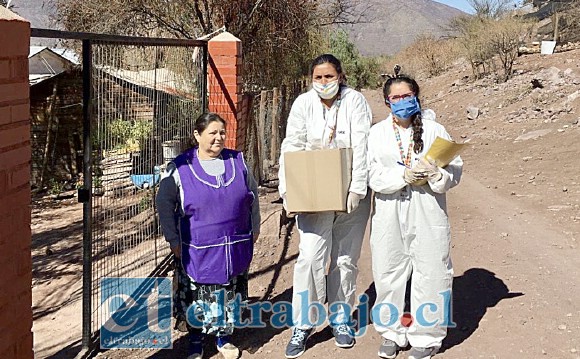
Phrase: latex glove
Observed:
(352, 201)
(430, 169)
(413, 175)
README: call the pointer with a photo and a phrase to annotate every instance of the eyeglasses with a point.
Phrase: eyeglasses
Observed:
(397, 98)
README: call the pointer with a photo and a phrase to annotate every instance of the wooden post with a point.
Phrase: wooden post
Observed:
(556, 25)
(274, 145)
(50, 110)
(262, 133)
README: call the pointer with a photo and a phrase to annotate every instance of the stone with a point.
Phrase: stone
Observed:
(532, 135)
(472, 112)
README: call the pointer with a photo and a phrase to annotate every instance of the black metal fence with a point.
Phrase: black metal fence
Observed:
(140, 99)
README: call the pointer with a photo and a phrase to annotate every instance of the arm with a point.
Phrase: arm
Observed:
(361, 118)
(255, 215)
(167, 202)
(383, 179)
(451, 174)
(295, 139)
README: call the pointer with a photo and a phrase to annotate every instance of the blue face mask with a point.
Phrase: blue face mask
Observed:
(406, 107)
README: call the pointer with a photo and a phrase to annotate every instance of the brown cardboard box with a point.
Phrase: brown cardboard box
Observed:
(317, 180)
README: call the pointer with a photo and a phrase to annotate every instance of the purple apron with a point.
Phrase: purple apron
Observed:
(216, 230)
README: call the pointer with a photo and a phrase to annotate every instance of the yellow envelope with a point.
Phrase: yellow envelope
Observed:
(443, 151)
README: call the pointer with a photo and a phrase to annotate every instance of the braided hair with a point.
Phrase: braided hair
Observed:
(416, 119)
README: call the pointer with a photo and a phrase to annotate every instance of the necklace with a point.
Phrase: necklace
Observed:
(332, 127)
(406, 159)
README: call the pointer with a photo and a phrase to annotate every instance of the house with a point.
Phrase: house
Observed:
(55, 80)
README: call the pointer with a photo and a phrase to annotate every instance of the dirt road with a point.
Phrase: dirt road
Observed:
(515, 226)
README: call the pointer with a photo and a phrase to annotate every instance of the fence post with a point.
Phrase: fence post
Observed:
(225, 85)
(274, 145)
(15, 154)
(262, 135)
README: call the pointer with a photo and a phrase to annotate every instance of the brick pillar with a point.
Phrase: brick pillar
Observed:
(15, 237)
(225, 85)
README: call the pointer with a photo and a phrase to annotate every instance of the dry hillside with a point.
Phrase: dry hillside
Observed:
(391, 25)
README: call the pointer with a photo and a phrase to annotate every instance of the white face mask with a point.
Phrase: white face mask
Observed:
(327, 91)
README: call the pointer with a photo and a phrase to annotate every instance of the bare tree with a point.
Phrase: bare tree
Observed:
(277, 35)
(493, 9)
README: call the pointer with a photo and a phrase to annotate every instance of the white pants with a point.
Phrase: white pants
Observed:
(325, 236)
(410, 237)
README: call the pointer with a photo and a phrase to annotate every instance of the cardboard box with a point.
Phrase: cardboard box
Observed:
(318, 180)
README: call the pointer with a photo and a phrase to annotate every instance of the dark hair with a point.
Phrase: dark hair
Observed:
(330, 59)
(416, 119)
(202, 122)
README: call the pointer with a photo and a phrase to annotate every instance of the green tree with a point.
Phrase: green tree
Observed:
(360, 71)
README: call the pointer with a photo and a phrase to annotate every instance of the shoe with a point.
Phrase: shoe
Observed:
(297, 344)
(195, 350)
(422, 353)
(181, 324)
(388, 349)
(227, 349)
(343, 336)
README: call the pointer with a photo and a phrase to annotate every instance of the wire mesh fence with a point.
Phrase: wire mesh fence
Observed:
(145, 101)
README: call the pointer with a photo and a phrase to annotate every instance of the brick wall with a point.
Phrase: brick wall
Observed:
(225, 85)
(15, 237)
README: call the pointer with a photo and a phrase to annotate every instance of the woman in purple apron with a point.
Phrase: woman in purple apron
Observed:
(209, 213)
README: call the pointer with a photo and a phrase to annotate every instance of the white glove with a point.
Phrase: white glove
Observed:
(430, 169)
(413, 175)
(352, 201)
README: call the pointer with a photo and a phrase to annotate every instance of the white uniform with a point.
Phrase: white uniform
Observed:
(410, 234)
(328, 236)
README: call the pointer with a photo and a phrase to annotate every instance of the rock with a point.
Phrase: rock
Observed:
(532, 135)
(472, 113)
(562, 327)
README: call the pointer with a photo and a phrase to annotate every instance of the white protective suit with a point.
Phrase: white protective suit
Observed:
(325, 236)
(410, 234)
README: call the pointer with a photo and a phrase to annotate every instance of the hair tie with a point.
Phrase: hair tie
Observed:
(396, 70)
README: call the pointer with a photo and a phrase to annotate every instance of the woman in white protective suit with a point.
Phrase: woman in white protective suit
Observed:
(330, 115)
(410, 235)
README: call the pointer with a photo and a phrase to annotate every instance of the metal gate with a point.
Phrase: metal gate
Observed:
(140, 99)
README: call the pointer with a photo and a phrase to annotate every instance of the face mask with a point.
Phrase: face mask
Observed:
(327, 91)
(406, 108)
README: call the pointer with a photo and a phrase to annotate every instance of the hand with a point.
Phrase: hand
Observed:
(176, 251)
(352, 201)
(413, 175)
(430, 169)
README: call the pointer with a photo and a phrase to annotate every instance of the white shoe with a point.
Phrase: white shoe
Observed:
(229, 351)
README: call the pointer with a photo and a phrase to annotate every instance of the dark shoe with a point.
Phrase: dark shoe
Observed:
(388, 349)
(343, 336)
(422, 353)
(297, 344)
(195, 350)
(227, 349)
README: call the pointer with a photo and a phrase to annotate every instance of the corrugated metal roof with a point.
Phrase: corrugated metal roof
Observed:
(66, 54)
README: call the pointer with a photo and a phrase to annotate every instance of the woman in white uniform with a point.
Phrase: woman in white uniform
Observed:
(330, 115)
(410, 235)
